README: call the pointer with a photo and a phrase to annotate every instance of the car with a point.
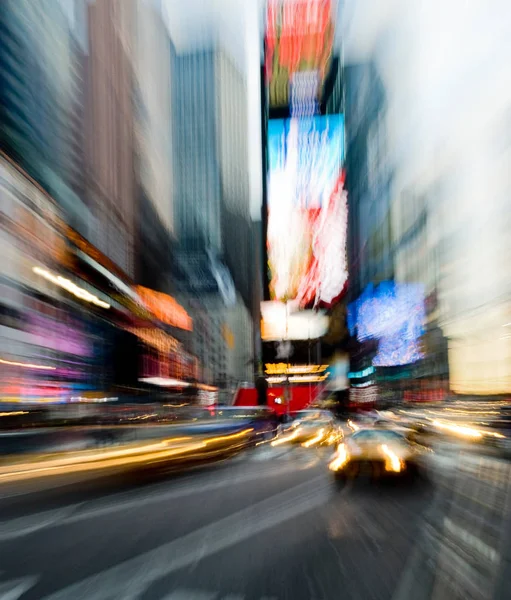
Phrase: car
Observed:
(309, 428)
(377, 453)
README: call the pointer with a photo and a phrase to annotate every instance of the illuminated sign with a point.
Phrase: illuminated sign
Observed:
(359, 374)
(298, 378)
(70, 287)
(228, 336)
(306, 197)
(156, 338)
(91, 251)
(299, 37)
(165, 308)
(284, 369)
(278, 323)
(393, 314)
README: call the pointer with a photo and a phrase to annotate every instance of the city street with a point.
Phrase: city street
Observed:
(269, 523)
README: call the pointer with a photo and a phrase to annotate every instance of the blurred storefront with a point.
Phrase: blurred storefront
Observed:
(47, 343)
(71, 320)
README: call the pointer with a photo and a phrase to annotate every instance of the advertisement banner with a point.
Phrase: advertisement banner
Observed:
(307, 210)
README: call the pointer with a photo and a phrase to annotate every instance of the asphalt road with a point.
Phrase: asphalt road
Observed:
(268, 524)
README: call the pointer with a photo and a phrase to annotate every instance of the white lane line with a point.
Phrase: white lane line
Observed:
(172, 494)
(22, 526)
(141, 571)
(191, 595)
(471, 540)
(15, 588)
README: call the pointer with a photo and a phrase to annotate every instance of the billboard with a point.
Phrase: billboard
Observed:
(394, 314)
(165, 308)
(307, 210)
(298, 39)
(279, 323)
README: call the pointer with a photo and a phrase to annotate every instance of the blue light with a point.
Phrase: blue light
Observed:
(393, 314)
(358, 374)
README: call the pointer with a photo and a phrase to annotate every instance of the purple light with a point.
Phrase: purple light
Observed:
(54, 335)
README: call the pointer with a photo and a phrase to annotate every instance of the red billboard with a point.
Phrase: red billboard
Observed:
(299, 38)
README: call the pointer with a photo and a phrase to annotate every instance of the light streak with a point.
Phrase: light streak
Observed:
(13, 363)
(340, 460)
(393, 463)
(70, 287)
(315, 440)
(459, 429)
(287, 438)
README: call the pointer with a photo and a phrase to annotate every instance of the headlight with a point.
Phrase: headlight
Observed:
(392, 460)
(340, 459)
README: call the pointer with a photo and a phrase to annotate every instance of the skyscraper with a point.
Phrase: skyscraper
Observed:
(211, 207)
(110, 136)
(195, 164)
(232, 144)
(40, 94)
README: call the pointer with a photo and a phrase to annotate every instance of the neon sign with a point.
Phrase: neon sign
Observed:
(165, 308)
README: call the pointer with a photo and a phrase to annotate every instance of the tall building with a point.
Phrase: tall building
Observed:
(154, 184)
(211, 208)
(232, 141)
(40, 100)
(448, 190)
(368, 177)
(238, 335)
(153, 128)
(195, 165)
(110, 138)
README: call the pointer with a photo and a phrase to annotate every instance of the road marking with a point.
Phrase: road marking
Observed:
(22, 526)
(26, 525)
(15, 588)
(141, 571)
(187, 594)
(191, 595)
(174, 493)
(472, 541)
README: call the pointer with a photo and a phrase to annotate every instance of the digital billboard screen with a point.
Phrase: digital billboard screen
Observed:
(307, 210)
(394, 314)
(278, 323)
(299, 39)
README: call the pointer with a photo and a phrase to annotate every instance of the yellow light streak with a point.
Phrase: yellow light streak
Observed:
(71, 287)
(287, 438)
(111, 458)
(340, 460)
(315, 440)
(13, 363)
(393, 463)
(459, 429)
